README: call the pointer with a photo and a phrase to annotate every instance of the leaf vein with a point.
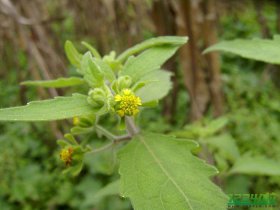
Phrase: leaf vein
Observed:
(165, 171)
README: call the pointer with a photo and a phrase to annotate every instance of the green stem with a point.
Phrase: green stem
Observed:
(132, 129)
(108, 146)
(105, 132)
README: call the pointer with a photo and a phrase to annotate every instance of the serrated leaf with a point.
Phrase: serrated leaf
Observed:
(57, 83)
(153, 42)
(72, 54)
(257, 165)
(148, 61)
(258, 49)
(159, 172)
(52, 109)
(157, 89)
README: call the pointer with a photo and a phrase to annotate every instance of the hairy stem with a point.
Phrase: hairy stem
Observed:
(111, 144)
(105, 132)
(132, 129)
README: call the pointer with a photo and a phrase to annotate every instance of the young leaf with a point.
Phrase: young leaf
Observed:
(258, 165)
(105, 69)
(258, 49)
(57, 83)
(157, 89)
(72, 54)
(91, 49)
(159, 172)
(53, 109)
(153, 42)
(92, 72)
(148, 61)
(74, 170)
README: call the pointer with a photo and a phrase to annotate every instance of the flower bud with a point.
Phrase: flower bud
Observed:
(124, 82)
(76, 120)
(96, 97)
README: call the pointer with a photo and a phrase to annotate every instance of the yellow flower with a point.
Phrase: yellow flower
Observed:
(66, 155)
(127, 103)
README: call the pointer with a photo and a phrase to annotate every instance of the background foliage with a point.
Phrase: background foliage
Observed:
(243, 144)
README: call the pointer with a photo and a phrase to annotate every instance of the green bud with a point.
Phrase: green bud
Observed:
(114, 86)
(124, 82)
(96, 97)
(112, 62)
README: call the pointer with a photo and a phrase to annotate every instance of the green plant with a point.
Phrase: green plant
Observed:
(253, 119)
(157, 171)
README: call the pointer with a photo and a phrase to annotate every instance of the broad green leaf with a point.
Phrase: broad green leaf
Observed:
(91, 49)
(276, 37)
(148, 61)
(162, 40)
(92, 72)
(112, 188)
(157, 89)
(258, 165)
(258, 49)
(159, 172)
(52, 109)
(57, 83)
(72, 54)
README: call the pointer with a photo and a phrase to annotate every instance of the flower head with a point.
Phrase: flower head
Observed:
(127, 103)
(66, 155)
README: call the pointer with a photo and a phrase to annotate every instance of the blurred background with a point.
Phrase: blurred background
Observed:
(229, 104)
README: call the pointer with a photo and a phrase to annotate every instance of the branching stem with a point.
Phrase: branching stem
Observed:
(114, 139)
(111, 144)
(104, 132)
(132, 130)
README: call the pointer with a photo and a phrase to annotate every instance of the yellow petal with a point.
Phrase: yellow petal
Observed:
(126, 92)
(118, 98)
(139, 102)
